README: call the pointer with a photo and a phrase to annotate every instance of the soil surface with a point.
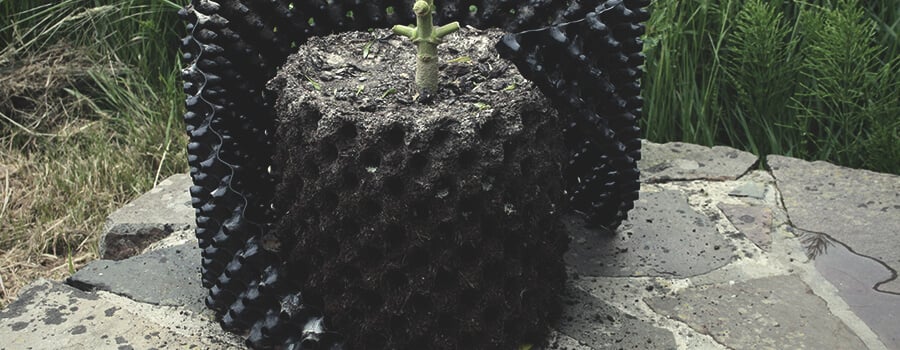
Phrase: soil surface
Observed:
(419, 223)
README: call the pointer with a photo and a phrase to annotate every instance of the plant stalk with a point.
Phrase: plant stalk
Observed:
(427, 38)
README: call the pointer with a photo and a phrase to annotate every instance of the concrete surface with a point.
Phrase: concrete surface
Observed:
(860, 208)
(676, 161)
(52, 315)
(168, 276)
(153, 216)
(766, 313)
(719, 256)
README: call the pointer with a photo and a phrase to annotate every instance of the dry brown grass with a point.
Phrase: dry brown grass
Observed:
(29, 248)
(80, 135)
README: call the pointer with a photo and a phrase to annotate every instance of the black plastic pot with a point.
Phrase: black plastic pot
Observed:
(234, 47)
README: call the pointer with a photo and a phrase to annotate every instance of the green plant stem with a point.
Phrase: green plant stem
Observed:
(427, 38)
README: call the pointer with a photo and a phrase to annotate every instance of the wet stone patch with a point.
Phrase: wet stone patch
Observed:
(778, 312)
(77, 320)
(664, 237)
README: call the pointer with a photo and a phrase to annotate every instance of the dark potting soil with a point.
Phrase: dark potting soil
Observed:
(419, 223)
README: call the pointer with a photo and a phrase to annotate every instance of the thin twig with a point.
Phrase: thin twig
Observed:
(7, 193)
(162, 162)
(25, 128)
(3, 287)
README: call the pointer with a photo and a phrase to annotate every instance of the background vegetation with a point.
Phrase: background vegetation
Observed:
(818, 80)
(90, 102)
(89, 119)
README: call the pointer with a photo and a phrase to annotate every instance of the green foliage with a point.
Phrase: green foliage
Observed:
(90, 110)
(816, 80)
(761, 71)
(849, 101)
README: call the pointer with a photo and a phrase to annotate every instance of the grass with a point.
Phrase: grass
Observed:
(815, 80)
(89, 119)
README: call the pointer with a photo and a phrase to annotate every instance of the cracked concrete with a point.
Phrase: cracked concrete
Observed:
(714, 257)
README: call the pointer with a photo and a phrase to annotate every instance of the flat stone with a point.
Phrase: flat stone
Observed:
(52, 315)
(664, 237)
(676, 161)
(752, 221)
(860, 208)
(856, 278)
(778, 312)
(154, 215)
(598, 325)
(168, 276)
(750, 189)
(559, 341)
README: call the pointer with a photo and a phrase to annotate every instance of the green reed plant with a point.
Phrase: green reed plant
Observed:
(814, 79)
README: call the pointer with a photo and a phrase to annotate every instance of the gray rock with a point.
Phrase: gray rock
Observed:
(753, 222)
(152, 216)
(599, 325)
(856, 279)
(664, 237)
(52, 315)
(676, 161)
(559, 341)
(769, 313)
(751, 189)
(857, 207)
(168, 276)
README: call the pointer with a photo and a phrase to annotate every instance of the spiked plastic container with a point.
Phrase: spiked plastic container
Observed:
(419, 224)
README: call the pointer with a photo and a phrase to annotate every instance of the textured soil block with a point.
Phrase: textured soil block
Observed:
(419, 224)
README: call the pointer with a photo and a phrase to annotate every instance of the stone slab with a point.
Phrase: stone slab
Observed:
(676, 161)
(753, 222)
(750, 189)
(664, 237)
(778, 312)
(51, 315)
(152, 216)
(168, 276)
(856, 279)
(860, 208)
(598, 325)
(559, 341)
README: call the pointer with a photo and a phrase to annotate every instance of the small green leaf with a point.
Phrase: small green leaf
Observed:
(461, 59)
(389, 92)
(367, 48)
(359, 89)
(525, 347)
(314, 83)
(482, 106)
(69, 261)
(510, 87)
